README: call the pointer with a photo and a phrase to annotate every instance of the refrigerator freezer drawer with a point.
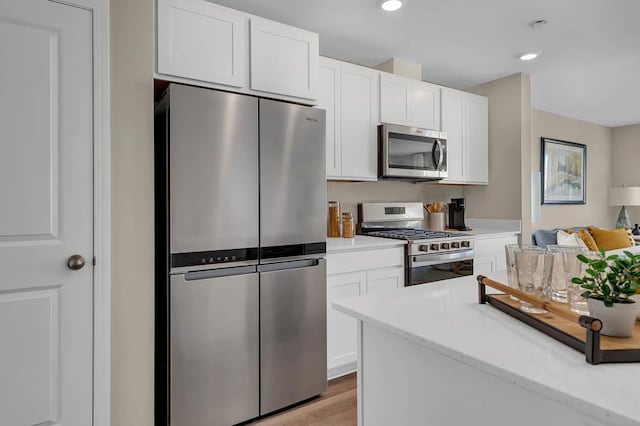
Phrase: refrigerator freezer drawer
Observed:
(214, 350)
(293, 331)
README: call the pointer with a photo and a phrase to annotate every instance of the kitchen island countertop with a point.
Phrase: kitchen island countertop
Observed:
(445, 318)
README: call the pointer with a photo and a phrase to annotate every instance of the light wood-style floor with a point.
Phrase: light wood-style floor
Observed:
(336, 407)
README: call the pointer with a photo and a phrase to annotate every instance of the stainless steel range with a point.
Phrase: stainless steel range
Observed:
(430, 255)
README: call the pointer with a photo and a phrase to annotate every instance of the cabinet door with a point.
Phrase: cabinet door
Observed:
(395, 99)
(484, 264)
(477, 138)
(425, 105)
(384, 280)
(342, 343)
(453, 106)
(359, 109)
(284, 59)
(202, 41)
(329, 100)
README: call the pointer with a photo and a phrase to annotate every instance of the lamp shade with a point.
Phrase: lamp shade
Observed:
(624, 196)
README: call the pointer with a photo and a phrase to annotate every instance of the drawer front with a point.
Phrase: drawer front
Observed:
(338, 263)
(493, 245)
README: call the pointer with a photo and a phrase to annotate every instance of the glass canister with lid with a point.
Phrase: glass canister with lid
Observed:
(347, 225)
(333, 220)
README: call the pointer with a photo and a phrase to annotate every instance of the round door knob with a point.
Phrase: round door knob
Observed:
(75, 262)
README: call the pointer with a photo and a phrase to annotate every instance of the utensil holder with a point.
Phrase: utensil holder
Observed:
(435, 221)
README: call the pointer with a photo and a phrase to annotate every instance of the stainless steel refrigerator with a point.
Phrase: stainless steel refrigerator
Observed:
(241, 278)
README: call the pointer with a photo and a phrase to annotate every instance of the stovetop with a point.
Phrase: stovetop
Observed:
(415, 234)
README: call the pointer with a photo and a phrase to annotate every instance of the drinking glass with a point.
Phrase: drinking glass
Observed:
(534, 273)
(512, 271)
(574, 268)
(559, 283)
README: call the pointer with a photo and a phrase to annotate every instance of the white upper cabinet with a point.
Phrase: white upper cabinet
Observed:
(202, 41)
(359, 135)
(477, 139)
(284, 59)
(425, 105)
(453, 106)
(349, 94)
(395, 99)
(204, 44)
(465, 120)
(409, 102)
(329, 100)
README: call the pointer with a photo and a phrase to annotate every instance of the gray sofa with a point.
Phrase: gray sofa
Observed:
(545, 237)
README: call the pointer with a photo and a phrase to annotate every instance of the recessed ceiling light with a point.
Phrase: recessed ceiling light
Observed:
(391, 5)
(528, 56)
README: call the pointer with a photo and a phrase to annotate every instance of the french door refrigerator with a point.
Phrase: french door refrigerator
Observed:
(241, 278)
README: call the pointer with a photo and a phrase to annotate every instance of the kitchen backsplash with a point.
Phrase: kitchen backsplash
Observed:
(349, 194)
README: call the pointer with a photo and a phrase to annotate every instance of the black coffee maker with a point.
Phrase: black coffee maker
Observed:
(456, 214)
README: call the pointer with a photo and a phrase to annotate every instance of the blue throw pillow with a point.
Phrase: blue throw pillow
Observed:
(544, 237)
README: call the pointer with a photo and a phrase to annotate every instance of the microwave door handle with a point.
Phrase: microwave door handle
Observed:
(440, 154)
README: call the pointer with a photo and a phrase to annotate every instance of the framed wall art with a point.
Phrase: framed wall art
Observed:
(564, 172)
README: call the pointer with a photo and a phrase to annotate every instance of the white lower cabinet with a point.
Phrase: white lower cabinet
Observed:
(341, 329)
(490, 254)
(356, 274)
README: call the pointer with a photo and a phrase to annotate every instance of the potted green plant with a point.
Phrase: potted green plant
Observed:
(609, 283)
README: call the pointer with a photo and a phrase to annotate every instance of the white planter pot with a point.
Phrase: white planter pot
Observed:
(637, 299)
(618, 320)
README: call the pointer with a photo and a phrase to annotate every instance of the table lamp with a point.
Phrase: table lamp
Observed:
(624, 196)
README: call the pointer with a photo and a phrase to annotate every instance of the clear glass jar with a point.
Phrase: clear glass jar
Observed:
(347, 225)
(333, 219)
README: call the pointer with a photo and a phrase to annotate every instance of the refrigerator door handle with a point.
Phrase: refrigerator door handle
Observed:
(219, 273)
(283, 266)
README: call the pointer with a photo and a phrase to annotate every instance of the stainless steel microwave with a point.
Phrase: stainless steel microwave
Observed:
(410, 153)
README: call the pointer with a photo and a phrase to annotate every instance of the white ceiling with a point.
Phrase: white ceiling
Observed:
(589, 68)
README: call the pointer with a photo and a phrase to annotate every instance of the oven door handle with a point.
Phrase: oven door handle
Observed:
(438, 259)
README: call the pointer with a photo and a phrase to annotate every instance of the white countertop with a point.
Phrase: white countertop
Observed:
(447, 318)
(493, 228)
(361, 242)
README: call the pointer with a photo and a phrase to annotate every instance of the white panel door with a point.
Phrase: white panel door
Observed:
(329, 100)
(342, 344)
(203, 41)
(425, 105)
(46, 215)
(395, 99)
(359, 135)
(387, 279)
(477, 138)
(453, 106)
(284, 59)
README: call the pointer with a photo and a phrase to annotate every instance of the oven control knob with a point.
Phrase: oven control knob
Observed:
(435, 247)
(444, 246)
(455, 245)
(423, 247)
(465, 244)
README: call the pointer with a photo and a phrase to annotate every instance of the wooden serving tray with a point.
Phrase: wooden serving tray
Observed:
(581, 332)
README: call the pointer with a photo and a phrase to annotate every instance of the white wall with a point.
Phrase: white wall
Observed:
(625, 157)
(351, 193)
(598, 140)
(132, 212)
(509, 113)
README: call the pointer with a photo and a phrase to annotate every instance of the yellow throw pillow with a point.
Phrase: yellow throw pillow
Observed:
(611, 239)
(588, 240)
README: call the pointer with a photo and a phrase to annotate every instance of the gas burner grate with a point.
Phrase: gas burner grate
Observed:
(413, 234)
